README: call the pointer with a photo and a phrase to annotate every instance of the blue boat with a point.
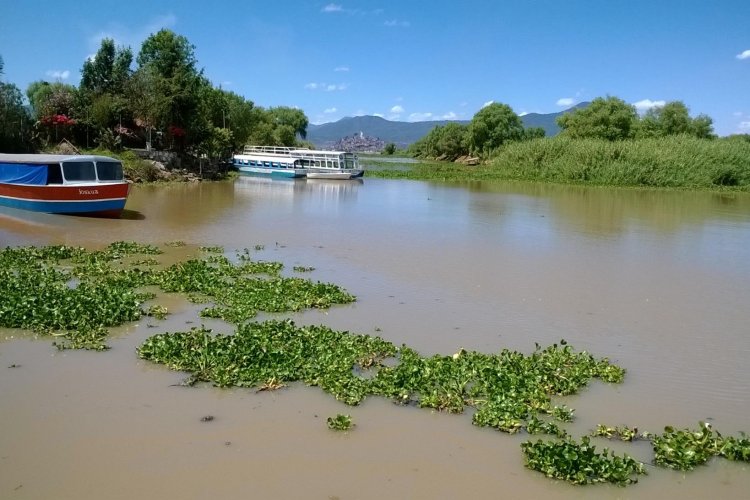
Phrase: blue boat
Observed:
(63, 184)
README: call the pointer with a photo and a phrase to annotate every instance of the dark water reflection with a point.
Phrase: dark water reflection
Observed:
(657, 280)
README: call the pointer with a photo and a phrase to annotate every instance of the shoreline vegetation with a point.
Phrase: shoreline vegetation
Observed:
(680, 162)
(75, 295)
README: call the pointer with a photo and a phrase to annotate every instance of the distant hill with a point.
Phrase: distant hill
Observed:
(405, 133)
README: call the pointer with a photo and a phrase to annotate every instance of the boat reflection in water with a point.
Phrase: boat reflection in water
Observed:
(312, 190)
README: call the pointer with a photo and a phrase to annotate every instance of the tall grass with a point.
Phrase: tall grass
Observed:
(675, 162)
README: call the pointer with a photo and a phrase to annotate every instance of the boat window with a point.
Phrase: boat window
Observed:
(76, 171)
(54, 174)
(109, 170)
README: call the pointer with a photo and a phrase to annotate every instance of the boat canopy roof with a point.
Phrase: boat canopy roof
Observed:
(44, 159)
(296, 152)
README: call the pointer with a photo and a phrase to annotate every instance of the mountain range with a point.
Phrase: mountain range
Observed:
(405, 133)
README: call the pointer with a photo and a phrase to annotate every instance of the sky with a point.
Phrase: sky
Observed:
(415, 60)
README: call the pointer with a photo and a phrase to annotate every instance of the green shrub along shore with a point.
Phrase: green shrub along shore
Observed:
(669, 162)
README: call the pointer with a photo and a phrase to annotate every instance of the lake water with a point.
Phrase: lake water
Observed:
(658, 281)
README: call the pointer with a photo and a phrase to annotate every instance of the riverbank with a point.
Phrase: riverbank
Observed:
(140, 170)
(671, 162)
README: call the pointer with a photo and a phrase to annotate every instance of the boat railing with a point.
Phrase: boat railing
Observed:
(279, 150)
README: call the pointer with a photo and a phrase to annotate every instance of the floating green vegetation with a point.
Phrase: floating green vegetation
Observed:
(76, 294)
(579, 463)
(624, 433)
(303, 269)
(685, 449)
(213, 249)
(340, 422)
(508, 390)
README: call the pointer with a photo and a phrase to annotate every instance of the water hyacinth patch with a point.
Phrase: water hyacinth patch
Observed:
(76, 294)
(580, 463)
(685, 449)
(340, 422)
(508, 390)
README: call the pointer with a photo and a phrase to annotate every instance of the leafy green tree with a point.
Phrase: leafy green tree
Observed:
(443, 141)
(389, 149)
(607, 118)
(240, 118)
(493, 126)
(171, 58)
(702, 127)
(148, 99)
(533, 133)
(108, 71)
(169, 54)
(292, 117)
(49, 99)
(14, 121)
(284, 135)
(673, 119)
(451, 141)
(217, 144)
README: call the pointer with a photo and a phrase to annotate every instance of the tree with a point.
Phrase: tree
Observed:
(292, 117)
(672, 119)
(49, 99)
(14, 121)
(607, 118)
(493, 126)
(168, 53)
(533, 133)
(240, 117)
(171, 61)
(108, 71)
(148, 99)
(389, 149)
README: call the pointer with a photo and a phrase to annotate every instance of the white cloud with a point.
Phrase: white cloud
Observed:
(341, 68)
(737, 113)
(379, 115)
(327, 87)
(332, 7)
(565, 101)
(450, 115)
(487, 103)
(419, 117)
(523, 113)
(395, 23)
(744, 54)
(330, 110)
(744, 126)
(60, 75)
(646, 104)
(397, 109)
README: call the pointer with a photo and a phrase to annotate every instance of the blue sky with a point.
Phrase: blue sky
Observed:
(416, 60)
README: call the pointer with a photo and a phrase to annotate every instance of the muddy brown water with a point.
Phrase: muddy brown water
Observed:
(658, 281)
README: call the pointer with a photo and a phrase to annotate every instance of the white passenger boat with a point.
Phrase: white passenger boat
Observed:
(277, 161)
